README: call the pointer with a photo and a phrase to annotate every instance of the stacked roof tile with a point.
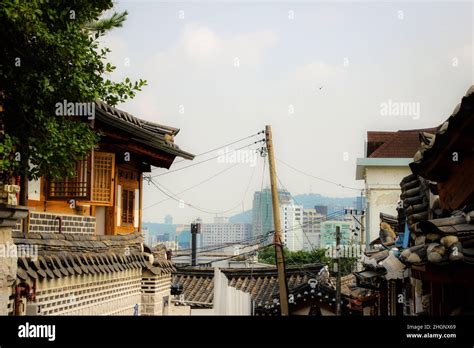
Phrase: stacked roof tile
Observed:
(260, 283)
(155, 135)
(55, 255)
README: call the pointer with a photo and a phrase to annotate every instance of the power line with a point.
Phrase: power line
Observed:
(289, 258)
(249, 242)
(230, 257)
(194, 186)
(223, 245)
(203, 161)
(162, 189)
(220, 147)
(314, 221)
(322, 219)
(245, 194)
(175, 197)
(318, 178)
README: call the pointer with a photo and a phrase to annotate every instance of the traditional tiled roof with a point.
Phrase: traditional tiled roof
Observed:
(155, 135)
(61, 255)
(459, 125)
(324, 293)
(400, 144)
(260, 283)
(198, 286)
(436, 236)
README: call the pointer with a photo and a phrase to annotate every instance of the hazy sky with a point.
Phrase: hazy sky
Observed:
(220, 71)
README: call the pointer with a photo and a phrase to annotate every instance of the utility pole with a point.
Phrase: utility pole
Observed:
(362, 218)
(338, 270)
(362, 228)
(279, 256)
(195, 229)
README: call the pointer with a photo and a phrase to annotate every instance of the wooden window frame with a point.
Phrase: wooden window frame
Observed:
(64, 189)
(103, 180)
(95, 181)
(127, 207)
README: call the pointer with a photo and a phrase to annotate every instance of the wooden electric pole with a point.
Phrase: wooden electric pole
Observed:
(279, 256)
(338, 270)
(362, 228)
(362, 218)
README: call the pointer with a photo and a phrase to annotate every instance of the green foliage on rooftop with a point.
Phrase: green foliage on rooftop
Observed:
(267, 255)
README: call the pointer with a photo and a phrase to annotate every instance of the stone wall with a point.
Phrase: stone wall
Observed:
(46, 222)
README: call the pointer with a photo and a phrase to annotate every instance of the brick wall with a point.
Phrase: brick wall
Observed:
(154, 289)
(99, 294)
(8, 270)
(46, 222)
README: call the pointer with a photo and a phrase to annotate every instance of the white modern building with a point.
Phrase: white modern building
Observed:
(148, 238)
(292, 225)
(222, 231)
(385, 164)
(311, 229)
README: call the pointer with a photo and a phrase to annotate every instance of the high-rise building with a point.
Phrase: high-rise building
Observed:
(262, 211)
(311, 229)
(321, 209)
(148, 238)
(291, 225)
(168, 219)
(221, 232)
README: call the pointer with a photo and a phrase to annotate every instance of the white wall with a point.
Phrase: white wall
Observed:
(383, 192)
(291, 221)
(227, 299)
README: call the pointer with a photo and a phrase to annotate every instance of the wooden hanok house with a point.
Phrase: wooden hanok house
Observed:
(84, 232)
(106, 191)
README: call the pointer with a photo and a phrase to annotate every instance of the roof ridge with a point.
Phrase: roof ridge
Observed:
(134, 119)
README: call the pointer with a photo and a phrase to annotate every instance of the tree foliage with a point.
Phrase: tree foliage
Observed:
(267, 255)
(50, 54)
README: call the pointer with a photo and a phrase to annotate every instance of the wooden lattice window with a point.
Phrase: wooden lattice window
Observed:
(103, 178)
(77, 186)
(93, 183)
(128, 201)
